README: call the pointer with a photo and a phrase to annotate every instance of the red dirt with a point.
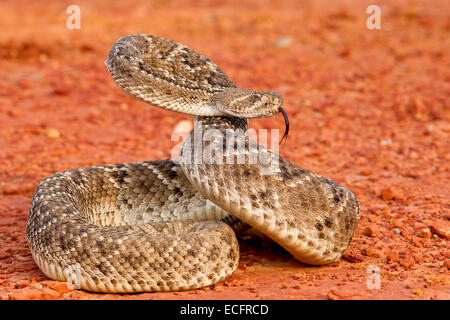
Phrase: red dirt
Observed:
(369, 109)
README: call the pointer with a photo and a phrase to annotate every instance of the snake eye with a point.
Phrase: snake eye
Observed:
(264, 100)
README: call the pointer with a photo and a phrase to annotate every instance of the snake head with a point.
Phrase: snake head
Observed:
(244, 103)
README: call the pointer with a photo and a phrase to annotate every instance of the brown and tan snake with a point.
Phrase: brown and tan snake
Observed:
(170, 225)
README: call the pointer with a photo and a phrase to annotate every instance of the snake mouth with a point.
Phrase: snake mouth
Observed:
(286, 123)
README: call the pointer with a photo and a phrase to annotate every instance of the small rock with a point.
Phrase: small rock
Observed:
(376, 210)
(418, 225)
(428, 244)
(397, 230)
(387, 194)
(407, 262)
(37, 285)
(424, 233)
(219, 288)
(26, 294)
(344, 294)
(53, 133)
(397, 224)
(50, 294)
(62, 287)
(393, 255)
(62, 90)
(352, 256)
(406, 233)
(372, 218)
(372, 231)
(400, 196)
(416, 242)
(366, 172)
(283, 42)
(441, 228)
(372, 252)
(447, 264)
(21, 284)
(418, 292)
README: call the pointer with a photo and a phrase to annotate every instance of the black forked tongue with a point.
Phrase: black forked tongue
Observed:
(286, 123)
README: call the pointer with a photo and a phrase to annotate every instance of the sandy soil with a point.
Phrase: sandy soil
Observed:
(369, 109)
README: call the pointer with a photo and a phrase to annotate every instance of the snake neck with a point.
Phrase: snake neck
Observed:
(212, 138)
(221, 123)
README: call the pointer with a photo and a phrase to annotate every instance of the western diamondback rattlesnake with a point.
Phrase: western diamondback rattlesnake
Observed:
(170, 224)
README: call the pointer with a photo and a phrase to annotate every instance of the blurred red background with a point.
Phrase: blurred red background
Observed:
(369, 109)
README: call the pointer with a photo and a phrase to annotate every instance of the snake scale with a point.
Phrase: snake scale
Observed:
(171, 225)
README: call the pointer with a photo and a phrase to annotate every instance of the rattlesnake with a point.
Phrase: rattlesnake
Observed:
(170, 225)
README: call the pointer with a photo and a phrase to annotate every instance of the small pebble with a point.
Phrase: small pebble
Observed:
(283, 42)
(53, 133)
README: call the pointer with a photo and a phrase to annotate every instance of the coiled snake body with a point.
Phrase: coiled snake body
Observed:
(170, 225)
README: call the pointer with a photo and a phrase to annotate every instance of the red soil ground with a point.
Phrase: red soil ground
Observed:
(369, 109)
